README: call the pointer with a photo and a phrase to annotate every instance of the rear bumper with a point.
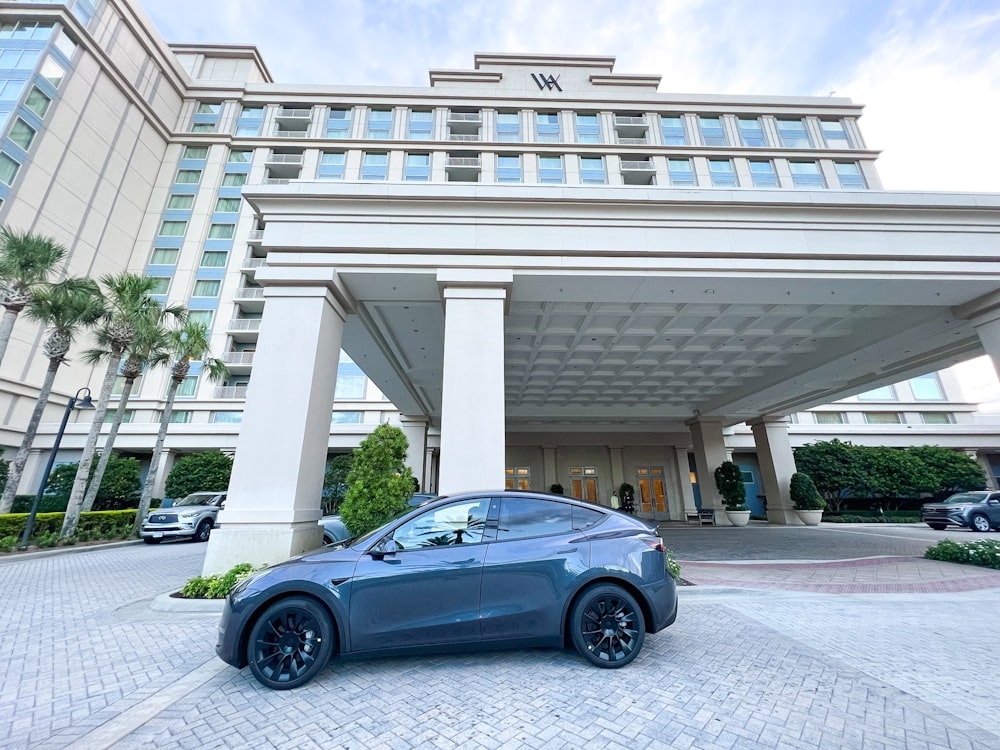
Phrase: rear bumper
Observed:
(662, 599)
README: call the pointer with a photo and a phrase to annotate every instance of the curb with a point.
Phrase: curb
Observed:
(69, 550)
(167, 603)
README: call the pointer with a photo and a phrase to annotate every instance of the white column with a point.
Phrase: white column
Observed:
(166, 463)
(777, 464)
(429, 480)
(709, 454)
(988, 327)
(473, 432)
(275, 489)
(549, 470)
(617, 473)
(684, 481)
(415, 430)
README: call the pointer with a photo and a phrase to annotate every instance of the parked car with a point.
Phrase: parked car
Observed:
(192, 516)
(471, 571)
(979, 511)
(335, 531)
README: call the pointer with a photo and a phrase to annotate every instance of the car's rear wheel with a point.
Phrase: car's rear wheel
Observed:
(938, 526)
(979, 522)
(606, 626)
(201, 534)
(290, 643)
(150, 540)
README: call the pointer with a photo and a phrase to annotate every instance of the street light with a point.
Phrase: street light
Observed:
(84, 403)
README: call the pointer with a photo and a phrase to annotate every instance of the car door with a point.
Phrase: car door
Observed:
(993, 509)
(530, 568)
(427, 591)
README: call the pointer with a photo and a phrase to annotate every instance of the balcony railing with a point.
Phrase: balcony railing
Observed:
(250, 263)
(463, 161)
(244, 324)
(284, 158)
(238, 358)
(465, 116)
(630, 120)
(290, 133)
(641, 166)
(230, 391)
(633, 141)
(255, 235)
(275, 181)
(301, 113)
(464, 137)
(245, 293)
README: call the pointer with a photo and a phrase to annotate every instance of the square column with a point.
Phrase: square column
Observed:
(709, 453)
(275, 490)
(987, 326)
(685, 488)
(415, 430)
(777, 464)
(473, 430)
(549, 476)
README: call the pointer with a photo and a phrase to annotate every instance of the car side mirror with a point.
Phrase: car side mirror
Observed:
(383, 548)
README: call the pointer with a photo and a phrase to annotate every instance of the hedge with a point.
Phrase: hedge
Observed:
(984, 552)
(103, 521)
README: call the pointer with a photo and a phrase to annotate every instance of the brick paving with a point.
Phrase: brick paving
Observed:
(86, 663)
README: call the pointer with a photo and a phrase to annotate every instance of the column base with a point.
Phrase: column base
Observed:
(784, 517)
(258, 544)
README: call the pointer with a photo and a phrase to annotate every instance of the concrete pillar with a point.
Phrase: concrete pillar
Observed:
(617, 474)
(987, 325)
(984, 464)
(166, 463)
(429, 480)
(709, 454)
(777, 464)
(550, 474)
(473, 432)
(415, 430)
(685, 487)
(275, 491)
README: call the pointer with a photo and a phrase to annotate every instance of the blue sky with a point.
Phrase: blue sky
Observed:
(928, 71)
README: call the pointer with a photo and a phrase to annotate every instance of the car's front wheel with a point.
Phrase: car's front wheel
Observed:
(290, 643)
(201, 534)
(938, 526)
(150, 540)
(979, 522)
(606, 626)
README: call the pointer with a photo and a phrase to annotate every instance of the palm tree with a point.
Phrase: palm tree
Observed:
(191, 343)
(151, 347)
(126, 303)
(26, 261)
(65, 308)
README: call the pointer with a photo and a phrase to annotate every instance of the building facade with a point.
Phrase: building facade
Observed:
(545, 271)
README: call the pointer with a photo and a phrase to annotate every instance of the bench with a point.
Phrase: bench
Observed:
(700, 516)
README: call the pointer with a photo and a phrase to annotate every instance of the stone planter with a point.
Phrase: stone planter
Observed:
(810, 517)
(738, 517)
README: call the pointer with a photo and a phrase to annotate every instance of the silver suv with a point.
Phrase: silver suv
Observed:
(979, 511)
(193, 516)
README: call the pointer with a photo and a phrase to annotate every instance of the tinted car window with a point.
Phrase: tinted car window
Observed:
(457, 523)
(524, 516)
(584, 518)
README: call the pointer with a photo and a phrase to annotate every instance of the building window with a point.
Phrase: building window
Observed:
(672, 129)
(22, 134)
(834, 134)
(240, 156)
(338, 124)
(8, 169)
(111, 415)
(180, 202)
(885, 393)
(350, 385)
(208, 108)
(180, 416)
(806, 175)
(206, 288)
(10, 90)
(883, 417)
(680, 171)
(583, 483)
(420, 125)
(829, 417)
(937, 417)
(379, 124)
(331, 166)
(550, 170)
(417, 168)
(249, 121)
(927, 388)
(234, 179)
(762, 174)
(227, 417)
(517, 478)
(508, 126)
(587, 129)
(25, 30)
(849, 174)
(221, 231)
(712, 131)
(227, 205)
(164, 256)
(18, 59)
(509, 168)
(346, 417)
(547, 127)
(188, 176)
(188, 387)
(214, 259)
(195, 152)
(793, 134)
(375, 167)
(52, 71)
(203, 127)
(160, 284)
(722, 172)
(37, 102)
(751, 132)
(173, 228)
(204, 317)
(592, 170)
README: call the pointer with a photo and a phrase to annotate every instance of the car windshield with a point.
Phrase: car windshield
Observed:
(196, 499)
(965, 497)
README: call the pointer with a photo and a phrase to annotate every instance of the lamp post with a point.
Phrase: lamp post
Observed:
(85, 402)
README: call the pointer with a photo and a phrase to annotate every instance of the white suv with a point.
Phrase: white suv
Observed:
(194, 516)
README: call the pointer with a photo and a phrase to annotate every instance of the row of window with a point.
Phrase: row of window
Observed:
(883, 417)
(184, 416)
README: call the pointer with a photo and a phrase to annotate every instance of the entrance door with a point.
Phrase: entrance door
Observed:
(652, 493)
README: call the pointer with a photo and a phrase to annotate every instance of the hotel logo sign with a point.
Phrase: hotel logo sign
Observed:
(546, 82)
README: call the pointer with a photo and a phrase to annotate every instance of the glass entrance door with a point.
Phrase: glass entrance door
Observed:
(652, 493)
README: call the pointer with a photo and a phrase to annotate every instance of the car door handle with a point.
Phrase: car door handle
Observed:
(569, 551)
(462, 562)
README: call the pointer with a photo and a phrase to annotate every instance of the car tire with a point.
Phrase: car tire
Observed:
(979, 522)
(203, 531)
(938, 526)
(607, 626)
(150, 540)
(290, 643)
(327, 540)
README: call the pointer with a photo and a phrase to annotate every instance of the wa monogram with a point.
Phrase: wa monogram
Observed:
(546, 82)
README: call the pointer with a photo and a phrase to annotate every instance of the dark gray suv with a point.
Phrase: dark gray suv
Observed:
(979, 511)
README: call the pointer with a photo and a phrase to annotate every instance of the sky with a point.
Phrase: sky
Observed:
(927, 71)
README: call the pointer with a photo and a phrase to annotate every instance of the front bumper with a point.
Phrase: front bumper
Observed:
(160, 531)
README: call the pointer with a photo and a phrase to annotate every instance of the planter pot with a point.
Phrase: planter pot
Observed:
(738, 517)
(810, 517)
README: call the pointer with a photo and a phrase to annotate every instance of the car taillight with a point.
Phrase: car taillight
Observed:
(654, 542)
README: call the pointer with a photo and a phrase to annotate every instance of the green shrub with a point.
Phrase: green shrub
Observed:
(216, 586)
(985, 552)
(101, 523)
(729, 482)
(9, 543)
(673, 567)
(803, 493)
(199, 472)
(379, 482)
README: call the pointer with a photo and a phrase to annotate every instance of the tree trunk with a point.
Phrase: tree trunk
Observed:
(14, 473)
(95, 482)
(73, 508)
(7, 327)
(154, 463)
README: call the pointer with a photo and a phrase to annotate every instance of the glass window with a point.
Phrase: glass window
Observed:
(417, 168)
(885, 393)
(226, 417)
(350, 386)
(22, 134)
(243, 156)
(681, 172)
(937, 417)
(508, 126)
(37, 102)
(584, 518)
(338, 124)
(19, 59)
(214, 259)
(550, 170)
(849, 174)
(419, 125)
(762, 173)
(587, 129)
(793, 134)
(829, 417)
(201, 316)
(173, 228)
(208, 108)
(10, 90)
(458, 523)
(346, 417)
(65, 45)
(722, 172)
(547, 127)
(672, 128)
(806, 174)
(180, 202)
(522, 517)
(206, 288)
(195, 152)
(517, 478)
(127, 415)
(509, 168)
(234, 179)
(221, 231)
(160, 284)
(592, 170)
(379, 124)
(180, 416)
(883, 417)
(228, 205)
(331, 166)
(25, 30)
(8, 169)
(203, 127)
(927, 387)
(834, 134)
(188, 176)
(164, 256)
(375, 167)
(712, 132)
(751, 132)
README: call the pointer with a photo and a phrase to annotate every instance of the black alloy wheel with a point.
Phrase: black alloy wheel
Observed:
(290, 643)
(606, 626)
(980, 523)
(938, 526)
(202, 532)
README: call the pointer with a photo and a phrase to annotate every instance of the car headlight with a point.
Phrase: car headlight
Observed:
(189, 514)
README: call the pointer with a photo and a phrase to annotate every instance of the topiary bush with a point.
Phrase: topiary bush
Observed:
(379, 483)
(729, 482)
(804, 494)
(199, 472)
